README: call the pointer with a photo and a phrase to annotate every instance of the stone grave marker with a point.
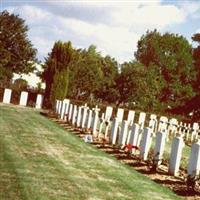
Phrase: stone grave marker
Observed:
(141, 120)
(194, 134)
(123, 133)
(84, 115)
(175, 156)
(102, 121)
(65, 104)
(78, 121)
(145, 143)
(39, 100)
(74, 115)
(130, 119)
(163, 122)
(159, 147)
(23, 98)
(59, 107)
(134, 136)
(88, 138)
(108, 113)
(7, 95)
(120, 114)
(193, 168)
(114, 130)
(153, 123)
(89, 119)
(95, 120)
(173, 127)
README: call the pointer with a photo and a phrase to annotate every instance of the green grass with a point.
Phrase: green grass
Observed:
(40, 160)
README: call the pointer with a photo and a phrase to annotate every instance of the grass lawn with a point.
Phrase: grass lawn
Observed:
(40, 160)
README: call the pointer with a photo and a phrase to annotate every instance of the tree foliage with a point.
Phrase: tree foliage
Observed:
(140, 86)
(17, 54)
(92, 75)
(56, 62)
(60, 85)
(172, 54)
(20, 84)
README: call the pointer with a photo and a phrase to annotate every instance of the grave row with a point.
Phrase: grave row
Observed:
(125, 133)
(23, 98)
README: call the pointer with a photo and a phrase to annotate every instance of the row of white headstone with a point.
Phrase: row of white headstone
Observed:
(23, 98)
(127, 132)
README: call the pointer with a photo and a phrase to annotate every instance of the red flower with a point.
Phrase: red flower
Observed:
(130, 147)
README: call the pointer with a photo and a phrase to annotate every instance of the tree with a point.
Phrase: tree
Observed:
(140, 86)
(60, 85)
(85, 73)
(20, 84)
(108, 88)
(56, 62)
(196, 57)
(172, 54)
(17, 54)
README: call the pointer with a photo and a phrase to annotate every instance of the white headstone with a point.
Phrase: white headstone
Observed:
(162, 126)
(153, 122)
(141, 120)
(175, 156)
(114, 130)
(134, 134)
(7, 95)
(89, 119)
(66, 109)
(23, 98)
(108, 113)
(173, 126)
(194, 160)
(74, 115)
(131, 116)
(84, 115)
(159, 147)
(102, 122)
(65, 104)
(123, 133)
(59, 107)
(38, 103)
(78, 121)
(145, 143)
(70, 112)
(120, 114)
(195, 129)
(187, 134)
(95, 121)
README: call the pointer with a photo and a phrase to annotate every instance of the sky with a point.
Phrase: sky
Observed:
(113, 26)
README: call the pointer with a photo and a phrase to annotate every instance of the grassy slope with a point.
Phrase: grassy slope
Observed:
(40, 160)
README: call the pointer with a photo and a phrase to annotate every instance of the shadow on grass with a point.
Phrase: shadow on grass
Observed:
(177, 185)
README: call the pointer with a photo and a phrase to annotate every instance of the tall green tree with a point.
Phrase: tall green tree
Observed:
(196, 57)
(172, 54)
(17, 54)
(56, 62)
(86, 73)
(60, 85)
(108, 87)
(139, 86)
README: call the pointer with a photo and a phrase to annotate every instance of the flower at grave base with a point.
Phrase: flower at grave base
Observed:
(130, 147)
